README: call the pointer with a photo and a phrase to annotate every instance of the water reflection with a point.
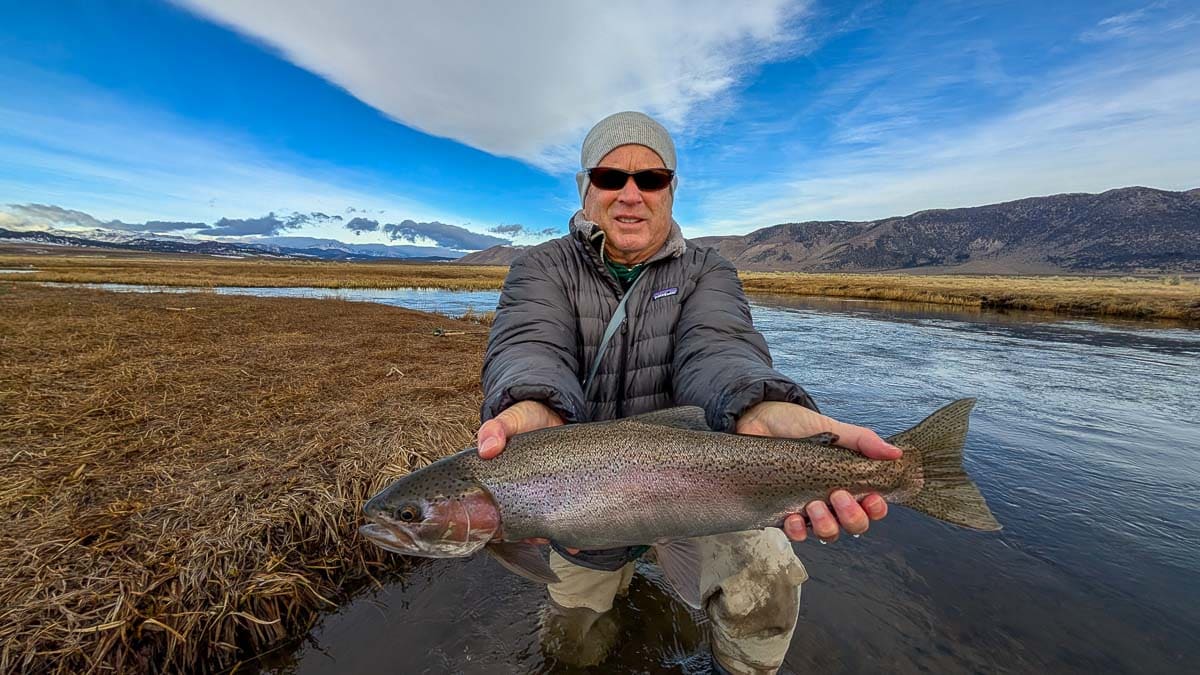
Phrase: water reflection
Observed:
(436, 300)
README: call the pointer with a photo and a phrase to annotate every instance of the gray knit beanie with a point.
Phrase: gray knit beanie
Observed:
(624, 128)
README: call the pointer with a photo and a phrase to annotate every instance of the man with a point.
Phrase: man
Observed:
(687, 339)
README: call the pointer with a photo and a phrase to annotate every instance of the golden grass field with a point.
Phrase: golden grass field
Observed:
(1157, 298)
(179, 270)
(182, 474)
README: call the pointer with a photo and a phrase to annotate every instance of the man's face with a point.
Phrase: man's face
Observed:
(635, 223)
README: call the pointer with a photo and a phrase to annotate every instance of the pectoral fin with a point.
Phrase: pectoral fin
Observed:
(680, 561)
(524, 559)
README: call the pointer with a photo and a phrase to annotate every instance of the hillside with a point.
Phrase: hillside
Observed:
(1127, 230)
(496, 255)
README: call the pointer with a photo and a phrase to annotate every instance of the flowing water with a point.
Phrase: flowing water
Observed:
(1085, 441)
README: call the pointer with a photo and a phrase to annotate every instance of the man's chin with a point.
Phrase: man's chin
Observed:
(622, 247)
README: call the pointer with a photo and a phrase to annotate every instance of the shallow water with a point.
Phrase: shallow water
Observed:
(450, 303)
(1085, 441)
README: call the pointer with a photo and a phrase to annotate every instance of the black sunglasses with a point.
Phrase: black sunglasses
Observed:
(648, 180)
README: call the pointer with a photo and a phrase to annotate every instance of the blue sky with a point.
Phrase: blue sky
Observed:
(470, 115)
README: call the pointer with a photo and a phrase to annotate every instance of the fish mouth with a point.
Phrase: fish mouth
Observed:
(409, 539)
(392, 539)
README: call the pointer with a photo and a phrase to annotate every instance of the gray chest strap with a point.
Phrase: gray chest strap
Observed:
(613, 324)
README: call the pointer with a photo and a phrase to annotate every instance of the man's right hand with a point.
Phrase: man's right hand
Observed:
(516, 419)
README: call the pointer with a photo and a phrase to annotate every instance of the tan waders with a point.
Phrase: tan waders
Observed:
(750, 583)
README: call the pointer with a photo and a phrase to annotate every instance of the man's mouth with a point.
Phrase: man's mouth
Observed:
(628, 220)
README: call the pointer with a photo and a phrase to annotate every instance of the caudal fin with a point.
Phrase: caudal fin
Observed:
(947, 492)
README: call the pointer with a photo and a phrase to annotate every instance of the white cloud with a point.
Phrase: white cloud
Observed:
(521, 79)
(1096, 126)
(1116, 26)
(1148, 22)
(81, 148)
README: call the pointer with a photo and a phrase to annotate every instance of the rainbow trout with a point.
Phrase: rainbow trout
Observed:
(658, 479)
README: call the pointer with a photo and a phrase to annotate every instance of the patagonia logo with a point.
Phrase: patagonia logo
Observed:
(664, 293)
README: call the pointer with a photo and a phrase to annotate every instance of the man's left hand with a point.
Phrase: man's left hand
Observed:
(789, 420)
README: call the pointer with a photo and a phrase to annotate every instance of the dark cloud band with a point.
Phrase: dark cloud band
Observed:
(450, 236)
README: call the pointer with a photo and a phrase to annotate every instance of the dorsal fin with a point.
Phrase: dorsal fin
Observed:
(681, 417)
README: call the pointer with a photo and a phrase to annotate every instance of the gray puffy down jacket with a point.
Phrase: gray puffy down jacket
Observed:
(687, 338)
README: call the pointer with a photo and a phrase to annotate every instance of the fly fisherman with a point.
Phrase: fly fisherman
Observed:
(686, 339)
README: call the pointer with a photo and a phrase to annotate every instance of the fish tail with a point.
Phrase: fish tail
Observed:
(946, 492)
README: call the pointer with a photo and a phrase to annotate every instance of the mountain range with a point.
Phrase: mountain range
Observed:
(1127, 230)
(280, 247)
(1123, 231)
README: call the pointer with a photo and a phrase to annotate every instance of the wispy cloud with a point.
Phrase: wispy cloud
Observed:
(1120, 118)
(49, 216)
(1147, 22)
(1117, 26)
(522, 79)
(518, 231)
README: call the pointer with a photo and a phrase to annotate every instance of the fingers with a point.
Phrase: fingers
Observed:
(847, 514)
(491, 438)
(788, 420)
(875, 506)
(824, 525)
(864, 441)
(795, 527)
(850, 515)
(516, 419)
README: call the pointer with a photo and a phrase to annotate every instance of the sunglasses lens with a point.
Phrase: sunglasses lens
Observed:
(608, 179)
(650, 180)
(653, 180)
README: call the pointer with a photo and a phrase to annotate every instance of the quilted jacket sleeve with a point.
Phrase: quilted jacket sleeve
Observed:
(721, 362)
(531, 352)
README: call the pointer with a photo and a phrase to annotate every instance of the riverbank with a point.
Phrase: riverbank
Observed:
(182, 474)
(1150, 298)
(99, 267)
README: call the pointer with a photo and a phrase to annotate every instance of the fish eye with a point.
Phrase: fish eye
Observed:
(410, 513)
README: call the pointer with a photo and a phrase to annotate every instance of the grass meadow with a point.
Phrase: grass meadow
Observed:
(182, 475)
(1150, 297)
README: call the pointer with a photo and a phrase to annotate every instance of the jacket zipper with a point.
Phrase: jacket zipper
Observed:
(624, 355)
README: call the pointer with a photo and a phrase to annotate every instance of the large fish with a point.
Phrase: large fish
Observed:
(658, 479)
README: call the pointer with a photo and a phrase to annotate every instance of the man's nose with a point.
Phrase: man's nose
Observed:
(630, 194)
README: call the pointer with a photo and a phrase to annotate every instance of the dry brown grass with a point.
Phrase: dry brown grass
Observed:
(176, 270)
(1138, 298)
(1167, 297)
(182, 475)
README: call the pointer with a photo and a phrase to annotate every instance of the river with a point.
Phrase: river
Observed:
(1085, 441)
